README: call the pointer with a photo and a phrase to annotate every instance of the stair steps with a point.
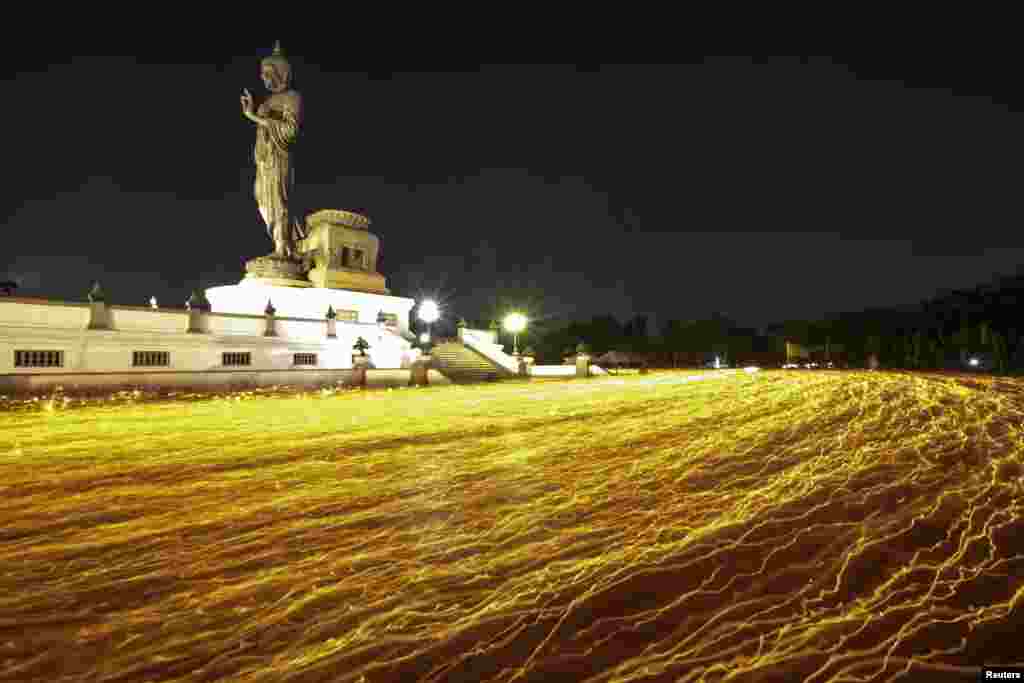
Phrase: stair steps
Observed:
(462, 365)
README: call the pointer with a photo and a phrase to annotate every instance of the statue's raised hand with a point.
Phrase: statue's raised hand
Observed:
(246, 98)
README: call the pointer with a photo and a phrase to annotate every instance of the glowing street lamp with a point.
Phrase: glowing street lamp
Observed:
(515, 323)
(429, 312)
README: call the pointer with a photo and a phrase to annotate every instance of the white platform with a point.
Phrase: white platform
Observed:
(308, 302)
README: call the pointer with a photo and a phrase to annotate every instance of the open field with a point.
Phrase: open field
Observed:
(782, 526)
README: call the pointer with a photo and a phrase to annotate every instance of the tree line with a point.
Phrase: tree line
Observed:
(943, 332)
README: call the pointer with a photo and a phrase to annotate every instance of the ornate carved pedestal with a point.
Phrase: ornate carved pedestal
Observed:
(343, 253)
(274, 270)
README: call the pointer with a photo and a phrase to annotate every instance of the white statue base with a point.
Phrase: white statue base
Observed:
(341, 255)
(250, 297)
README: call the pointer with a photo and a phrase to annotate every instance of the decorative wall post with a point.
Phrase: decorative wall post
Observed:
(526, 361)
(198, 307)
(99, 316)
(332, 332)
(360, 361)
(582, 360)
(269, 312)
(420, 371)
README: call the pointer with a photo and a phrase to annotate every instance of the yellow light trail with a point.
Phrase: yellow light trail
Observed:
(832, 526)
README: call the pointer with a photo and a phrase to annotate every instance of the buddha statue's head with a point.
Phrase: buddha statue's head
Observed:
(275, 71)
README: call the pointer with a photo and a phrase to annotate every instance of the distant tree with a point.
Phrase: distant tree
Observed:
(907, 347)
(995, 340)
(1002, 356)
(739, 345)
(605, 333)
(934, 355)
(915, 346)
(961, 338)
(873, 345)
(798, 332)
(634, 335)
(669, 333)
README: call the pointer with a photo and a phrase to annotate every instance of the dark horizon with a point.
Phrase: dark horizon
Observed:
(788, 189)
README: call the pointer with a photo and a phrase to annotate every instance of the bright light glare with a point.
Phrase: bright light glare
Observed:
(751, 369)
(974, 362)
(515, 322)
(429, 312)
(424, 337)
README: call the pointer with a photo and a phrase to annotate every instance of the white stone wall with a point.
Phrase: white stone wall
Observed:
(300, 328)
(229, 325)
(134, 318)
(552, 370)
(111, 351)
(36, 325)
(219, 379)
(42, 313)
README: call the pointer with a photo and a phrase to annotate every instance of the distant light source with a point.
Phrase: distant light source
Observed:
(152, 302)
(429, 312)
(751, 369)
(515, 323)
(974, 362)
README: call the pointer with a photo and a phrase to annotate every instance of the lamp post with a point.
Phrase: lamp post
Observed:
(428, 313)
(515, 323)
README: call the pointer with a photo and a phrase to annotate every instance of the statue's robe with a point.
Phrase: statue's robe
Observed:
(275, 165)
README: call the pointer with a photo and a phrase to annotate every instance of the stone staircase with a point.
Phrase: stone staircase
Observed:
(462, 364)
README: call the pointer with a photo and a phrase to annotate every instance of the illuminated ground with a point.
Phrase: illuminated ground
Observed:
(787, 525)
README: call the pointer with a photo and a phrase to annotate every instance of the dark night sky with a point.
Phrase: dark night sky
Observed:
(762, 190)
